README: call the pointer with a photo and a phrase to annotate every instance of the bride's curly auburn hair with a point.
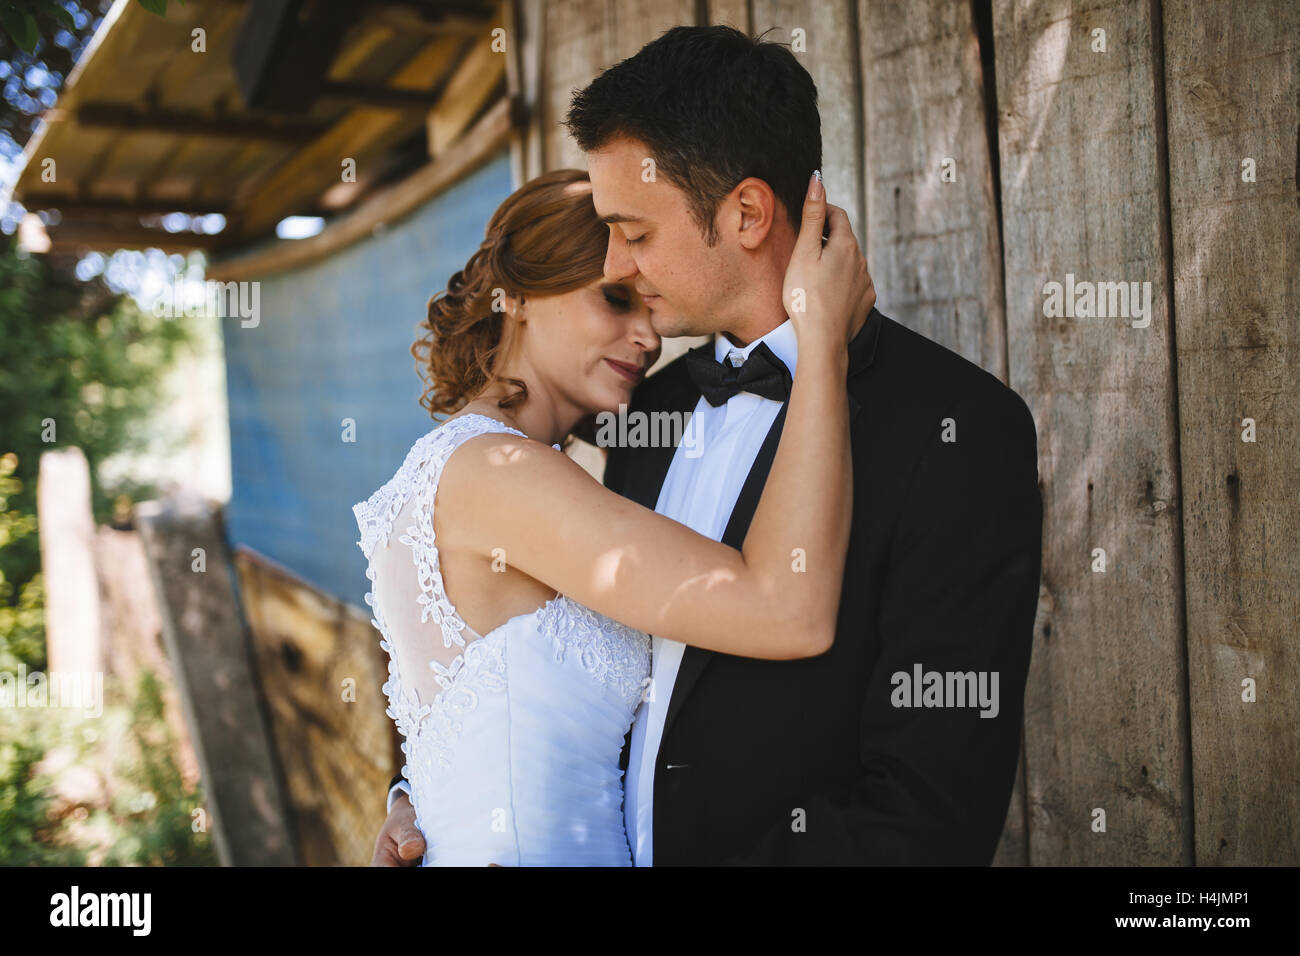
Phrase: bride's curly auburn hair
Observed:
(545, 239)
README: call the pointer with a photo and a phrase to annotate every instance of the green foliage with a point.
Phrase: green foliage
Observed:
(19, 18)
(84, 366)
(22, 624)
(155, 821)
(28, 835)
(143, 817)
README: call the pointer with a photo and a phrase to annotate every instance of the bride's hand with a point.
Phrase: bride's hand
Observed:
(828, 290)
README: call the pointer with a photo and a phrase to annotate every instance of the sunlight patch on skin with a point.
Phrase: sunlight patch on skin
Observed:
(508, 450)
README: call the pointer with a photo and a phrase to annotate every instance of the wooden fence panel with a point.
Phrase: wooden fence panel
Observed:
(634, 23)
(525, 31)
(323, 672)
(932, 222)
(733, 13)
(189, 563)
(1083, 200)
(823, 36)
(577, 48)
(1233, 81)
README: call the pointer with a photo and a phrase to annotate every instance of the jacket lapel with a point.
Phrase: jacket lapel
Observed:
(862, 351)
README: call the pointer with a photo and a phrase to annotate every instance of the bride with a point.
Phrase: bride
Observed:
(515, 594)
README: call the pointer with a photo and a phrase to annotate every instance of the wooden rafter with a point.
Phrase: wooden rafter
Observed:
(193, 123)
(363, 132)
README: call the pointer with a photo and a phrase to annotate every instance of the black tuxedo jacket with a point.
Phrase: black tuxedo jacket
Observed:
(810, 761)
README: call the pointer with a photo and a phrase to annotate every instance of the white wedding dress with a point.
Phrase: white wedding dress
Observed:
(512, 738)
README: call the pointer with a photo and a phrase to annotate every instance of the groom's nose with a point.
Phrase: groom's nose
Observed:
(619, 264)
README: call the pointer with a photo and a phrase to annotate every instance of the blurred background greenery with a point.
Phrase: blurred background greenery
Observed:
(85, 365)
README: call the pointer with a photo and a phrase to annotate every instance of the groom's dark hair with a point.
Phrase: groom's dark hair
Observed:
(714, 106)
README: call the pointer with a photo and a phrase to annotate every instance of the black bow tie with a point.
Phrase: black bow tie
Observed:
(762, 374)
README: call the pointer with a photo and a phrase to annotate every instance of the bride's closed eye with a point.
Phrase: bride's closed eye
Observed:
(616, 300)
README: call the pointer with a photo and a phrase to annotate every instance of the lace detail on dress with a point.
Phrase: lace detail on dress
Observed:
(613, 653)
(419, 476)
(480, 666)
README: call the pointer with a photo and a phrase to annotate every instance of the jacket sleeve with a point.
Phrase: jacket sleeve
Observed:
(959, 595)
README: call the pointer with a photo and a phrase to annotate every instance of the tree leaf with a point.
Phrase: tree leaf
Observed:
(21, 26)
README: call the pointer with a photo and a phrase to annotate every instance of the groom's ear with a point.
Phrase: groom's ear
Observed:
(758, 208)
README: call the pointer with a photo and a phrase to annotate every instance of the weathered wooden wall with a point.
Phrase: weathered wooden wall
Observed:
(1122, 165)
(1232, 75)
(1082, 194)
(321, 672)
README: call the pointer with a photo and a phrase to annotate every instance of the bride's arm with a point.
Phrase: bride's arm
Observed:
(558, 525)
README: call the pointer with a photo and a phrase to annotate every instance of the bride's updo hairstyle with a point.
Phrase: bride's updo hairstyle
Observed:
(541, 241)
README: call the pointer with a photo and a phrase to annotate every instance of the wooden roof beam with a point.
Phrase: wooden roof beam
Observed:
(77, 236)
(189, 123)
(72, 205)
(379, 96)
(479, 144)
(464, 19)
(363, 134)
(284, 49)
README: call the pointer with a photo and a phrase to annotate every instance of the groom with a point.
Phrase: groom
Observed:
(900, 744)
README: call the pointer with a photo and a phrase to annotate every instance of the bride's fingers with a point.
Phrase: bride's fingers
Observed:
(841, 231)
(807, 244)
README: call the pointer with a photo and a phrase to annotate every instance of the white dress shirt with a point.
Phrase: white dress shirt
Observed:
(700, 492)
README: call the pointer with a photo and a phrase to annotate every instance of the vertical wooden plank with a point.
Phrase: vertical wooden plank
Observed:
(636, 22)
(1082, 200)
(578, 45)
(325, 668)
(827, 46)
(732, 13)
(932, 230)
(584, 37)
(73, 616)
(525, 23)
(219, 691)
(1232, 86)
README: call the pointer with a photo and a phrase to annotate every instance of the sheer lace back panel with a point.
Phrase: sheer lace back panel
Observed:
(429, 639)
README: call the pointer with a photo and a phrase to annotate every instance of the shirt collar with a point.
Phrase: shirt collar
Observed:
(781, 340)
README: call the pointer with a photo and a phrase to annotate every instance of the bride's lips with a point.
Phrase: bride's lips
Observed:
(633, 373)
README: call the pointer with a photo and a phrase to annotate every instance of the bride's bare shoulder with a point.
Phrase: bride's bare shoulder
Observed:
(495, 462)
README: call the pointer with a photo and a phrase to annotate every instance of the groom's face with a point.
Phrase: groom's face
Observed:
(657, 247)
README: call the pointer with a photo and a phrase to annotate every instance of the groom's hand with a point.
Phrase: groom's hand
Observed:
(399, 842)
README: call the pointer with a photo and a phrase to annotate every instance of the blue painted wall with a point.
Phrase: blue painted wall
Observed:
(334, 342)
